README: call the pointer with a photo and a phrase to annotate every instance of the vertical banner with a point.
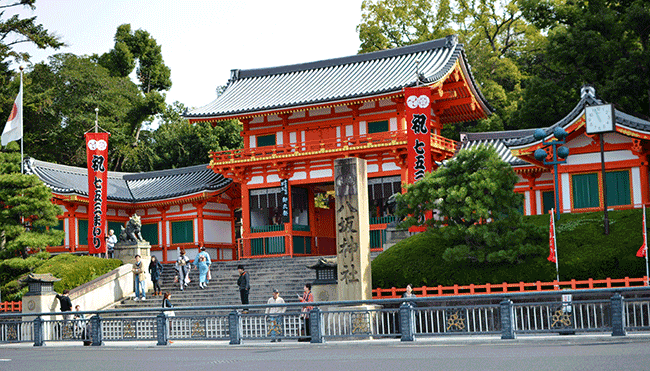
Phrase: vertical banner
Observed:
(284, 194)
(418, 126)
(97, 159)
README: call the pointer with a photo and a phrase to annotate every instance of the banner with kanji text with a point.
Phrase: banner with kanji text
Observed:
(97, 159)
(418, 127)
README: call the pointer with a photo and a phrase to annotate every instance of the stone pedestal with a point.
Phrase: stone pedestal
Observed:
(352, 229)
(126, 252)
(40, 298)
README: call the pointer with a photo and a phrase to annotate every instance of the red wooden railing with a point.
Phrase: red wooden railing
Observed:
(492, 288)
(11, 306)
(332, 144)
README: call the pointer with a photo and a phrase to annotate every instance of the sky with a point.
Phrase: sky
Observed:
(203, 40)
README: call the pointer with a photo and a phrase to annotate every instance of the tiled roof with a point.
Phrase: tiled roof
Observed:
(502, 150)
(588, 99)
(130, 187)
(358, 76)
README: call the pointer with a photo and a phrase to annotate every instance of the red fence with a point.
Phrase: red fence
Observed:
(11, 306)
(491, 288)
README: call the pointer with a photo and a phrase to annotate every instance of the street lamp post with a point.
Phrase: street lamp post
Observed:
(559, 157)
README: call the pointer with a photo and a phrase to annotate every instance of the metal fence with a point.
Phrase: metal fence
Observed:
(606, 311)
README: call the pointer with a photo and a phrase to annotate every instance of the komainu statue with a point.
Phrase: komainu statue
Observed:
(132, 231)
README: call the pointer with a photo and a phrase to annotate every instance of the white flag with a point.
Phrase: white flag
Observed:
(14, 128)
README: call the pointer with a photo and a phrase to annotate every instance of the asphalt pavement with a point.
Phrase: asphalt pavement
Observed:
(552, 352)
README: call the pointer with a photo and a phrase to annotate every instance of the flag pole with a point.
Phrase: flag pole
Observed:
(22, 133)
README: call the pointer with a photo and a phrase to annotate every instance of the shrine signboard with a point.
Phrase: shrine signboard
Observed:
(352, 229)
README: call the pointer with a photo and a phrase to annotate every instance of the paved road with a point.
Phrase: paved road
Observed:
(559, 353)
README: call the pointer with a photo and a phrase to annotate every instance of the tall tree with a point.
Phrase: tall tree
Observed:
(475, 207)
(26, 210)
(177, 143)
(496, 36)
(139, 50)
(603, 43)
(16, 30)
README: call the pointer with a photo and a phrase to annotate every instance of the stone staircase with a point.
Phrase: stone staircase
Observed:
(286, 274)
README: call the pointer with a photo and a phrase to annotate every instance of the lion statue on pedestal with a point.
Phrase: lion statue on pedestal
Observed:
(132, 231)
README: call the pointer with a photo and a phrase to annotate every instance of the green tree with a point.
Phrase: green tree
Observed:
(475, 206)
(603, 43)
(177, 143)
(139, 50)
(16, 30)
(26, 210)
(496, 36)
(59, 106)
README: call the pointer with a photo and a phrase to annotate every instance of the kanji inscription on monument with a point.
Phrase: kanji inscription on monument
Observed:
(352, 229)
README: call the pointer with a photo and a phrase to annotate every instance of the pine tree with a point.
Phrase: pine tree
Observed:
(26, 210)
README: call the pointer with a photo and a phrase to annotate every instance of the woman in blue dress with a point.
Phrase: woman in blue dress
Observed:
(202, 261)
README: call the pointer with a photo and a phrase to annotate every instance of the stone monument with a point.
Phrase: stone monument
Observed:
(352, 229)
(130, 243)
(40, 298)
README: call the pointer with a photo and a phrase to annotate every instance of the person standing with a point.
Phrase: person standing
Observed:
(243, 282)
(202, 261)
(307, 297)
(139, 278)
(275, 313)
(183, 269)
(111, 240)
(66, 304)
(155, 270)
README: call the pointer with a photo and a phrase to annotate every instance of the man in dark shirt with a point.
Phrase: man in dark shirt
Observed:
(243, 282)
(66, 304)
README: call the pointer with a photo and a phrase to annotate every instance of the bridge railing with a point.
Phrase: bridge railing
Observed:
(507, 315)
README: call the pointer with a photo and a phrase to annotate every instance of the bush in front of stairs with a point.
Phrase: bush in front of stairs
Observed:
(73, 270)
(583, 252)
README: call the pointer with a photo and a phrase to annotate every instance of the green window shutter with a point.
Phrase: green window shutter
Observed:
(59, 227)
(377, 127)
(618, 188)
(266, 140)
(183, 232)
(82, 231)
(548, 201)
(150, 233)
(585, 191)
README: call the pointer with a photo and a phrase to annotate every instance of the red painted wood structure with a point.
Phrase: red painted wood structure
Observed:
(296, 120)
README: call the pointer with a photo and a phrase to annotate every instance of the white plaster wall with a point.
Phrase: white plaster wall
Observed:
(392, 124)
(324, 173)
(390, 166)
(174, 209)
(279, 138)
(252, 141)
(256, 180)
(292, 137)
(188, 207)
(565, 185)
(362, 128)
(216, 206)
(538, 200)
(105, 290)
(66, 228)
(373, 168)
(636, 187)
(217, 231)
(153, 211)
(349, 131)
(272, 178)
(299, 175)
(594, 158)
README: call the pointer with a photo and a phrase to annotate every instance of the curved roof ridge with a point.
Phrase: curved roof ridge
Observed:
(357, 58)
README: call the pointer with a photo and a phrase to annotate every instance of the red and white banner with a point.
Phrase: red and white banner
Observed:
(552, 257)
(418, 126)
(643, 251)
(97, 159)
